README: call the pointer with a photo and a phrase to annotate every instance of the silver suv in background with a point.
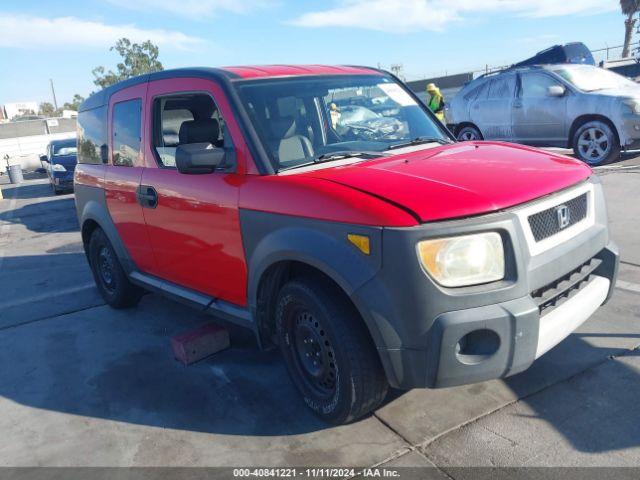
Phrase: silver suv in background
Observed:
(594, 111)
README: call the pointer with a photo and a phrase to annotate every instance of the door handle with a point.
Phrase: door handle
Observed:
(147, 196)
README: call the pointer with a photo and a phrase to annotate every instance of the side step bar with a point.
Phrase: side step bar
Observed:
(219, 308)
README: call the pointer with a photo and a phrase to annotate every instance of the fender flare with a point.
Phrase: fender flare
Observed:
(326, 252)
(340, 261)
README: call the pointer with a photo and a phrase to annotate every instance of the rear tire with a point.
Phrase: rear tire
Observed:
(328, 351)
(596, 143)
(110, 278)
(469, 133)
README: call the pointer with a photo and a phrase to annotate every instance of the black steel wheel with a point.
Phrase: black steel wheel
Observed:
(314, 355)
(105, 267)
(110, 278)
(328, 351)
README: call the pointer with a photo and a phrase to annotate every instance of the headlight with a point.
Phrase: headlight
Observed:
(463, 260)
(56, 167)
(634, 106)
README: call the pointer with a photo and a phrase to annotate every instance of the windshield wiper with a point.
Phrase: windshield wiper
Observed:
(327, 157)
(331, 156)
(420, 141)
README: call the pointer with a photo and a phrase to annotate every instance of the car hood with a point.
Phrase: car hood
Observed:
(460, 180)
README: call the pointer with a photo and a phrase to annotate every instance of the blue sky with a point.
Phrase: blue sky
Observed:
(64, 40)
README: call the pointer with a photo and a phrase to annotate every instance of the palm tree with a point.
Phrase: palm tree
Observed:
(629, 8)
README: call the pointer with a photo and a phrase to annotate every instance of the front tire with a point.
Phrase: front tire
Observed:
(595, 143)
(111, 280)
(469, 133)
(328, 351)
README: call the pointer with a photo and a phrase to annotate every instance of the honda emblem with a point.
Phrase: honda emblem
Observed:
(564, 216)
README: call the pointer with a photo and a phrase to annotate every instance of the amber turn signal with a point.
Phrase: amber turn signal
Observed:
(361, 242)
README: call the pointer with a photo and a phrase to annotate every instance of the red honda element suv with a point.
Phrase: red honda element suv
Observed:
(327, 210)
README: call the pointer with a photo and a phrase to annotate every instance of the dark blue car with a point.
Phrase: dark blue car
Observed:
(60, 162)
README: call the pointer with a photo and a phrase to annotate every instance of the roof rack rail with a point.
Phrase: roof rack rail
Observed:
(510, 68)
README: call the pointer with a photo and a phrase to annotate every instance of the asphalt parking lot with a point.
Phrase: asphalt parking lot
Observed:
(84, 385)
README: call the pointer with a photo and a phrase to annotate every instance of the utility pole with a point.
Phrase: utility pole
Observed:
(397, 70)
(53, 91)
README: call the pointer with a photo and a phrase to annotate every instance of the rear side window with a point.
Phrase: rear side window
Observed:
(503, 86)
(92, 135)
(126, 132)
(536, 85)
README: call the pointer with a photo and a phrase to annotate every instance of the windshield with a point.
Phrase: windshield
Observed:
(302, 120)
(66, 148)
(589, 79)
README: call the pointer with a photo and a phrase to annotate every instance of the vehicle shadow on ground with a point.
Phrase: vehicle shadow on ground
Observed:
(27, 191)
(50, 216)
(626, 156)
(119, 365)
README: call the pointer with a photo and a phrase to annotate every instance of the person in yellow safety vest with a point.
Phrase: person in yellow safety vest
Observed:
(335, 115)
(436, 101)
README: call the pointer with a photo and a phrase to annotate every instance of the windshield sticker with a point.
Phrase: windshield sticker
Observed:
(397, 94)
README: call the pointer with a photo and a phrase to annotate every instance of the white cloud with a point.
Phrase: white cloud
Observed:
(24, 31)
(413, 15)
(539, 39)
(195, 9)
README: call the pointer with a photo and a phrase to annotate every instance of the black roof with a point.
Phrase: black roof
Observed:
(63, 140)
(101, 98)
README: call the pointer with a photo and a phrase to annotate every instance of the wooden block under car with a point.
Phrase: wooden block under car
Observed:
(194, 345)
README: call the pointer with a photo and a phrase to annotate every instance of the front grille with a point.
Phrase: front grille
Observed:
(559, 291)
(546, 223)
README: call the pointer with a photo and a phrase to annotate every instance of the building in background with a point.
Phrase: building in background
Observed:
(26, 140)
(19, 109)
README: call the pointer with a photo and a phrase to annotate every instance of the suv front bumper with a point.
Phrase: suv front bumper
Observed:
(522, 333)
(430, 336)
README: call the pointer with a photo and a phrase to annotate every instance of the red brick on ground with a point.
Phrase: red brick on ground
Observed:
(194, 345)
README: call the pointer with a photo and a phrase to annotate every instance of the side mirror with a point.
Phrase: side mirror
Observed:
(556, 91)
(43, 158)
(198, 158)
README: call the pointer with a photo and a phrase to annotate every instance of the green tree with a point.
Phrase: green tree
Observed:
(74, 104)
(137, 58)
(47, 109)
(629, 8)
